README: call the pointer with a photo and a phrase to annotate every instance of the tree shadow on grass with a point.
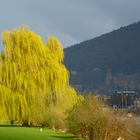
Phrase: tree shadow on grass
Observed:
(10, 126)
(65, 137)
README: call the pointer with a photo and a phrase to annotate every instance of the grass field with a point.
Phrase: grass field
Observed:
(22, 133)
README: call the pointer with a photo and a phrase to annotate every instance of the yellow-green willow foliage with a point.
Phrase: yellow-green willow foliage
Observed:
(32, 77)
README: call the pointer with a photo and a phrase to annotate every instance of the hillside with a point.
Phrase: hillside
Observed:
(106, 63)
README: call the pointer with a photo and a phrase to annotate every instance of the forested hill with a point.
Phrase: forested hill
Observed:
(106, 63)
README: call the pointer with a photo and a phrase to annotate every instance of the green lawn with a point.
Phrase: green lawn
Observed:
(22, 133)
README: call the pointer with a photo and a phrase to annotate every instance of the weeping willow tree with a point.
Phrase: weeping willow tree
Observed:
(33, 78)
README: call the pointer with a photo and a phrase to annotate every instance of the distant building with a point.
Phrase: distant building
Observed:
(125, 99)
(137, 103)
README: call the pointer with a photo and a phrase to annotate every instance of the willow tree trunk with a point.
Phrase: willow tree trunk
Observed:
(91, 134)
(26, 124)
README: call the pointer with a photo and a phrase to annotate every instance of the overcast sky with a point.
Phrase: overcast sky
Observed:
(72, 21)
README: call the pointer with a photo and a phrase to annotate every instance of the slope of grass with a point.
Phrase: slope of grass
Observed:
(22, 133)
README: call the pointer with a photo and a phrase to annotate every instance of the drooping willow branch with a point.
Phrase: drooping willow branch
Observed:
(32, 76)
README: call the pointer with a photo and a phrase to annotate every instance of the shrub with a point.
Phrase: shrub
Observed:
(93, 119)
